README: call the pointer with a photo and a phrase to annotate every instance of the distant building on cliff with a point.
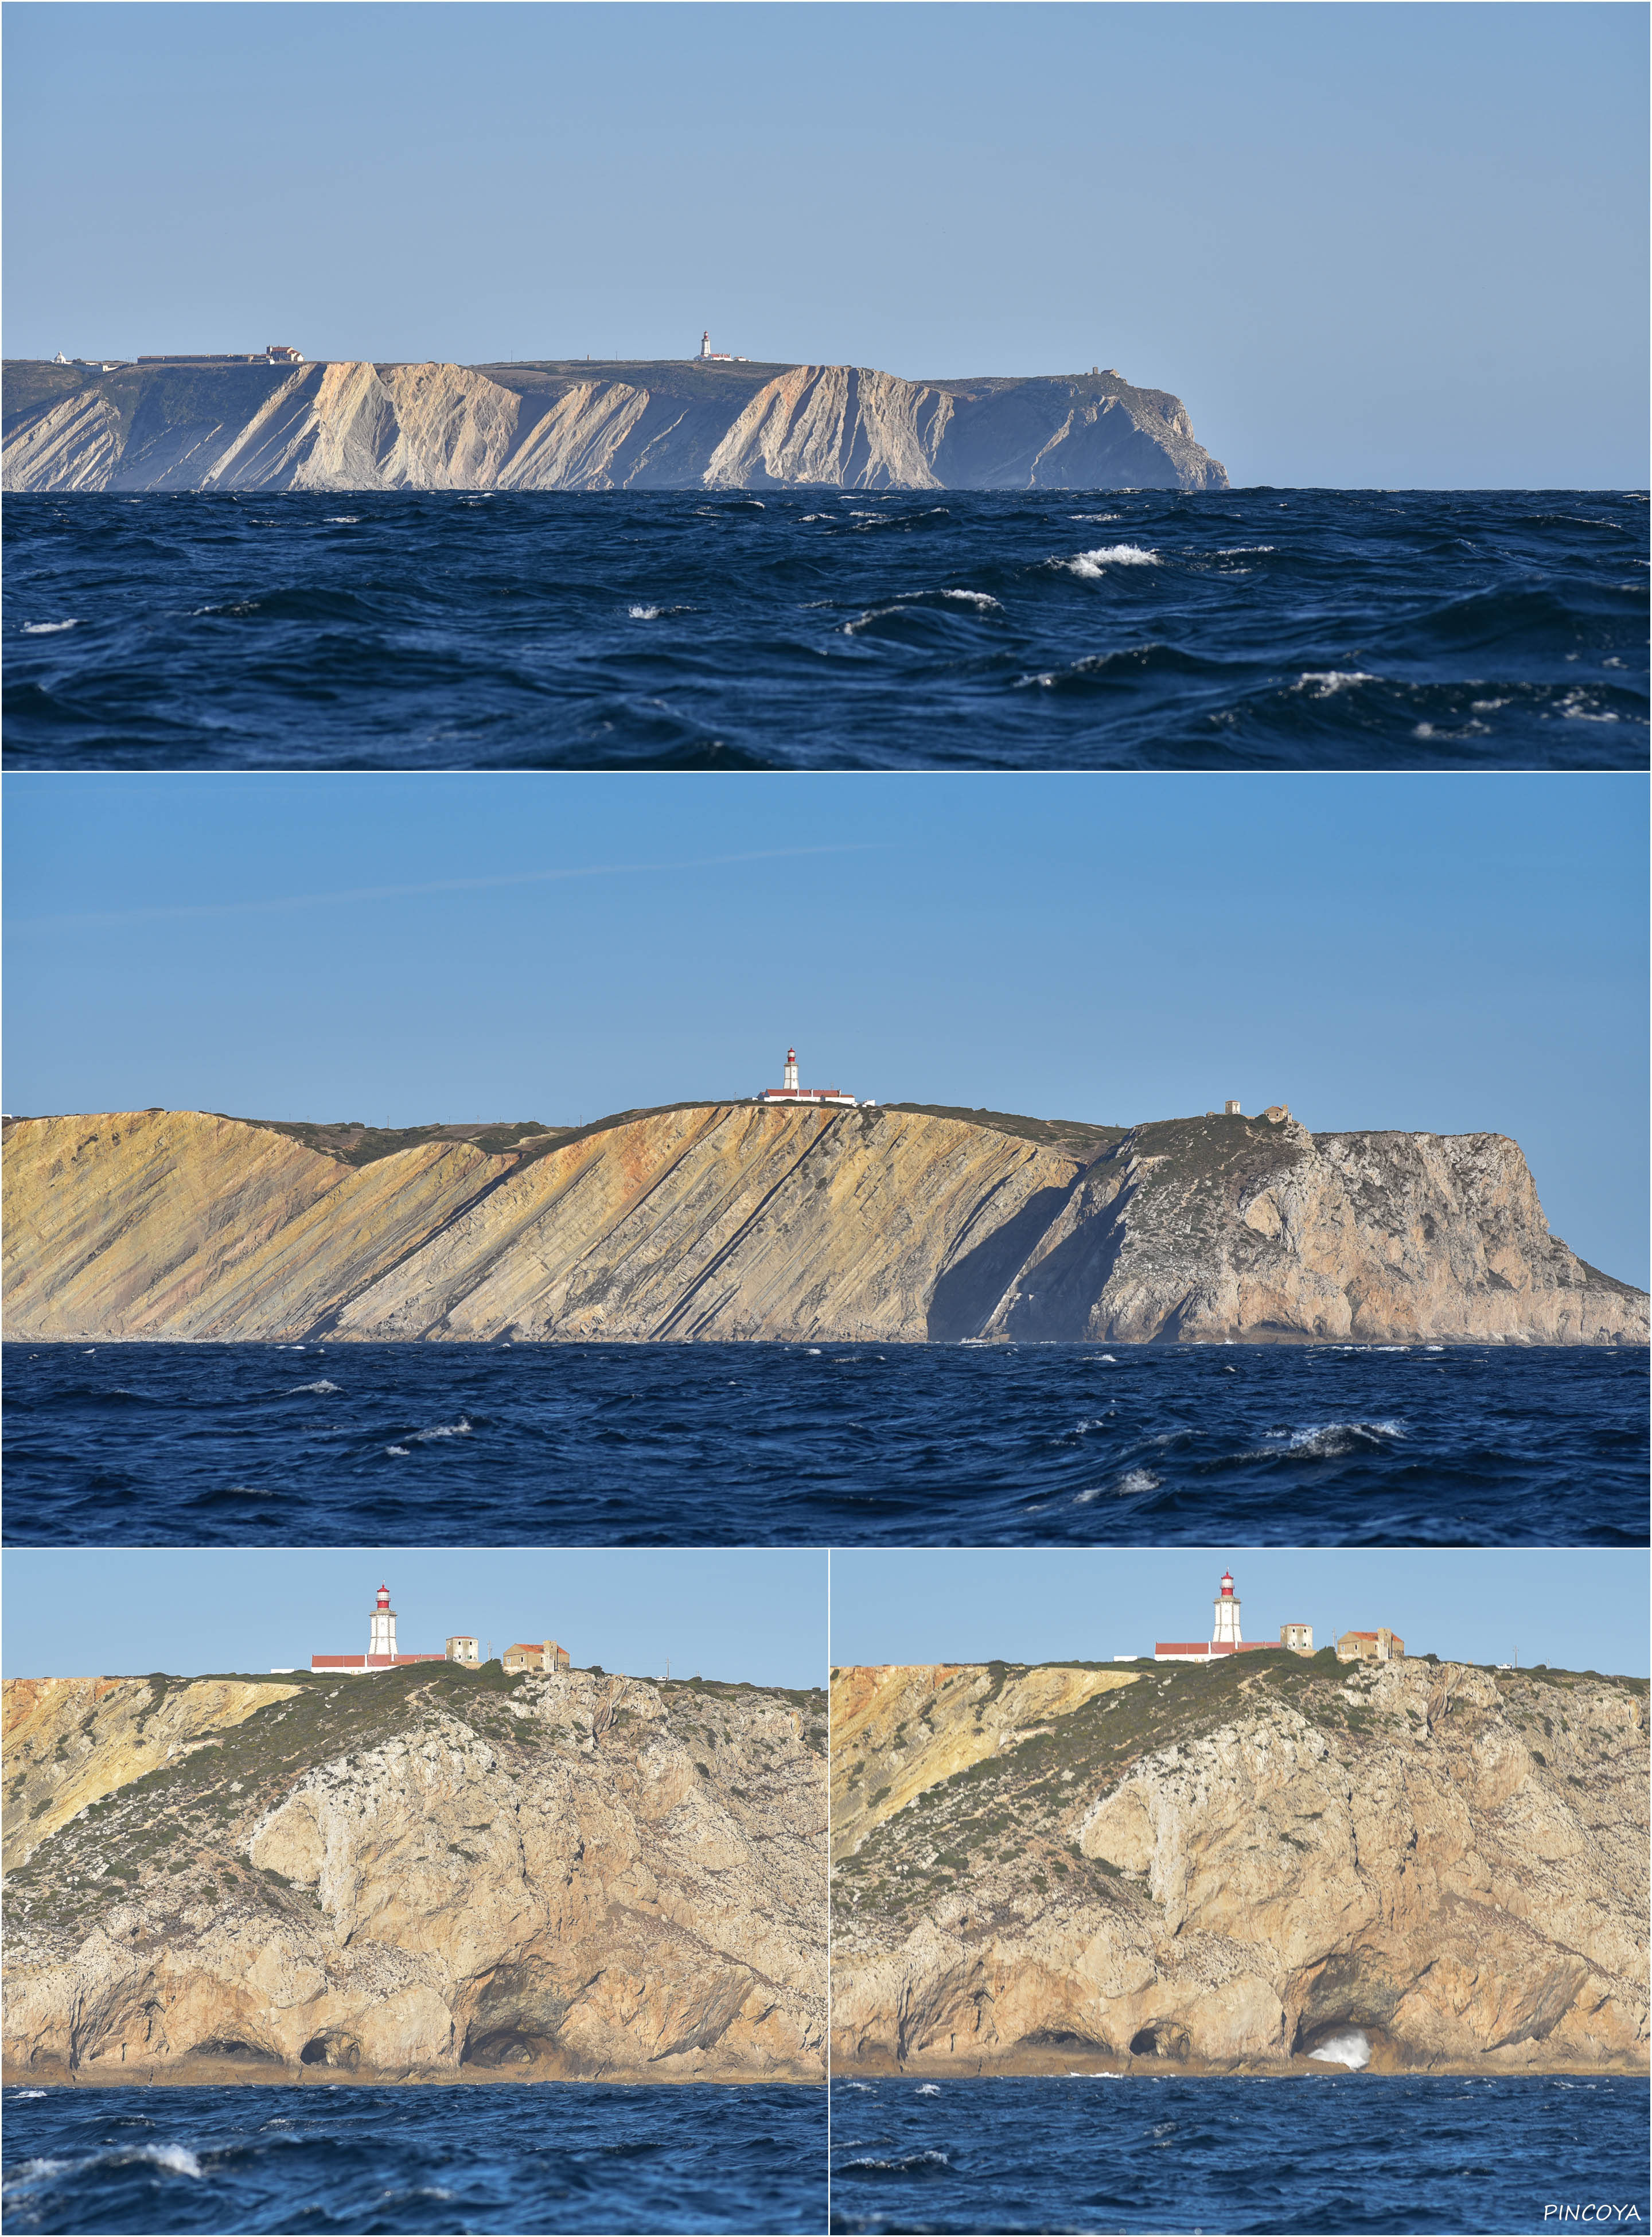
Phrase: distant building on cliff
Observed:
(381, 1645)
(1225, 1637)
(543, 1655)
(708, 356)
(1379, 1645)
(789, 1091)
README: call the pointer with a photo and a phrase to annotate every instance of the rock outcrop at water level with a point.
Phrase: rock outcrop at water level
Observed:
(752, 1221)
(1247, 1866)
(572, 426)
(431, 1874)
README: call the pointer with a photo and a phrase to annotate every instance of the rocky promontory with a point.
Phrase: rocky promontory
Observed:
(750, 1222)
(570, 425)
(1245, 1867)
(430, 1874)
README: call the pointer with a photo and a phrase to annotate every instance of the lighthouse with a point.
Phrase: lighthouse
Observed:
(789, 1091)
(382, 1639)
(1225, 1631)
(706, 343)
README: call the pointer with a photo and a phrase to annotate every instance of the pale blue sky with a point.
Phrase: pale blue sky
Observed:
(1575, 1608)
(730, 1614)
(1447, 953)
(1367, 245)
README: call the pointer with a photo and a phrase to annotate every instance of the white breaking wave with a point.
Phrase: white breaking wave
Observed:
(1141, 1480)
(1325, 683)
(460, 1428)
(342, 519)
(644, 613)
(1092, 564)
(1095, 516)
(321, 1389)
(1330, 1439)
(900, 2167)
(1349, 2047)
(1233, 550)
(928, 2089)
(982, 598)
(47, 629)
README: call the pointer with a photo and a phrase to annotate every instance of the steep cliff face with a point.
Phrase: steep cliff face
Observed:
(666, 425)
(746, 1222)
(428, 1874)
(1240, 1865)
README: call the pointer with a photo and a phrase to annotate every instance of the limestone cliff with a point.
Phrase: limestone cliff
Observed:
(430, 1874)
(1232, 1867)
(742, 1221)
(660, 424)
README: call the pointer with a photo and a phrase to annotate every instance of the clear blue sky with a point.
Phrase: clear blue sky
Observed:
(1368, 245)
(1447, 953)
(1576, 1609)
(730, 1614)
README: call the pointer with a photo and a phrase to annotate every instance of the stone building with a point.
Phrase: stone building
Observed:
(545, 1654)
(1379, 1645)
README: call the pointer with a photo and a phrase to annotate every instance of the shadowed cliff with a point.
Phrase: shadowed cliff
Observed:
(665, 423)
(1234, 1866)
(430, 1874)
(744, 1221)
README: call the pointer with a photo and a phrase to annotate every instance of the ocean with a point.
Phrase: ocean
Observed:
(551, 2156)
(1331, 2157)
(827, 628)
(836, 1444)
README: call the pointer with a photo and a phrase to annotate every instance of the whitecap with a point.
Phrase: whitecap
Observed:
(1107, 1355)
(1141, 1480)
(1095, 516)
(928, 2089)
(321, 1389)
(47, 629)
(342, 519)
(32, 2093)
(644, 613)
(982, 598)
(814, 1352)
(1334, 1440)
(1327, 681)
(460, 1428)
(1233, 550)
(1093, 564)
(396, 1452)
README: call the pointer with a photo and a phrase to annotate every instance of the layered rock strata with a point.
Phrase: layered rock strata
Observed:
(431, 1874)
(1233, 1868)
(662, 424)
(742, 1221)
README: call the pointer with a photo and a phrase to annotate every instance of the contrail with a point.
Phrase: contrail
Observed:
(433, 886)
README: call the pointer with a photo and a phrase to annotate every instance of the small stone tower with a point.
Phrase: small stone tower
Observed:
(1226, 1633)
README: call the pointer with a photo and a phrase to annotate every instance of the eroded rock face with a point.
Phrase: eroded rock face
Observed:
(422, 1874)
(354, 425)
(748, 1222)
(1229, 1865)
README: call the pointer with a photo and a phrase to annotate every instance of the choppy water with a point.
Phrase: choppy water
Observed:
(549, 2157)
(1254, 629)
(1341, 2154)
(842, 1444)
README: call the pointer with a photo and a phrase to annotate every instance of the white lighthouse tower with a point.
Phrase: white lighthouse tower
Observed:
(789, 1078)
(1226, 1636)
(706, 343)
(382, 1639)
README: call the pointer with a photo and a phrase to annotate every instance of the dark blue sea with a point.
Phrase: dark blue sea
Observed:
(1328, 2157)
(839, 1444)
(826, 629)
(548, 2157)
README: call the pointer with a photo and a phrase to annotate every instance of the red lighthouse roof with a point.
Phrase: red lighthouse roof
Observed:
(1228, 1584)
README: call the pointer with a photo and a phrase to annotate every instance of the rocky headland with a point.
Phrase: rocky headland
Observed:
(1419, 1865)
(432, 1874)
(750, 1222)
(664, 424)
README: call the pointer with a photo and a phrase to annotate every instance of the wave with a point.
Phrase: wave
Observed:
(912, 2163)
(1336, 1440)
(47, 629)
(1325, 683)
(1092, 564)
(321, 1389)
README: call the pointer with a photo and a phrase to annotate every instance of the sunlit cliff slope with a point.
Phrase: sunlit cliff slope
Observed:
(1228, 1867)
(431, 1874)
(746, 1221)
(652, 425)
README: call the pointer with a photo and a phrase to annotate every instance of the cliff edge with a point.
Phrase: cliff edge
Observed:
(750, 1222)
(1233, 1868)
(663, 423)
(432, 1874)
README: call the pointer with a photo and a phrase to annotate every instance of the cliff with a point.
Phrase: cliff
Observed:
(431, 1874)
(1229, 1869)
(567, 426)
(746, 1221)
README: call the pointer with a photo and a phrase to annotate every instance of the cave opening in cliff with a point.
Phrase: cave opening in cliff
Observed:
(1160, 2039)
